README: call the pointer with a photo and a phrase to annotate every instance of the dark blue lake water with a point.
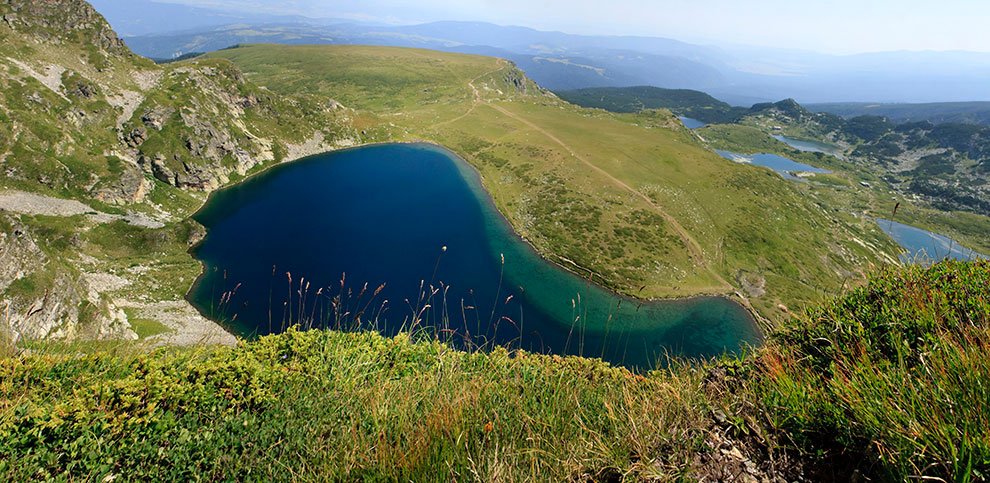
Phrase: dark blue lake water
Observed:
(783, 166)
(413, 217)
(923, 246)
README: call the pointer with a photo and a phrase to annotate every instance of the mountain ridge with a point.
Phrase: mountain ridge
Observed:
(169, 134)
(740, 75)
(87, 120)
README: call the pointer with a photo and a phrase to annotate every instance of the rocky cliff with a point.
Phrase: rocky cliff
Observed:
(84, 119)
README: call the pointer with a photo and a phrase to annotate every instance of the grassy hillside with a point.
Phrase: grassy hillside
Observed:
(633, 199)
(887, 381)
(891, 375)
(104, 155)
(577, 182)
(929, 190)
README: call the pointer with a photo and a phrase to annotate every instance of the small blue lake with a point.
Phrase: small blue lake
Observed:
(405, 237)
(923, 246)
(783, 166)
(807, 146)
(691, 123)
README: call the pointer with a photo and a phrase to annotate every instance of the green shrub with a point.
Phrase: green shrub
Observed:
(336, 406)
(893, 374)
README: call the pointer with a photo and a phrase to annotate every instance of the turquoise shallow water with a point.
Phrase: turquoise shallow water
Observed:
(691, 123)
(412, 216)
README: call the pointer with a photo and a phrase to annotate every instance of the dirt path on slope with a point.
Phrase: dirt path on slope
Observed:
(476, 93)
(697, 253)
(692, 245)
(25, 203)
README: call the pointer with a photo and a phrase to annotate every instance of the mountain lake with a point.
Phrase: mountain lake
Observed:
(312, 242)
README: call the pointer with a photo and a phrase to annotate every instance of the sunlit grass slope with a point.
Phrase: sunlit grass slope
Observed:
(339, 406)
(842, 188)
(891, 378)
(634, 200)
(888, 381)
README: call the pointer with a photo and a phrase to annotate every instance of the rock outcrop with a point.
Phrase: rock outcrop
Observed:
(45, 298)
(61, 21)
(87, 119)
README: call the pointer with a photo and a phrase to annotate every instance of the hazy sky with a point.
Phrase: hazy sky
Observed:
(833, 26)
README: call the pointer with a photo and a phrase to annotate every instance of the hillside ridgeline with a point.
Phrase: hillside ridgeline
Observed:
(104, 155)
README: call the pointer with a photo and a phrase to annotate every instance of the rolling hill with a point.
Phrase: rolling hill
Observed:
(938, 168)
(685, 102)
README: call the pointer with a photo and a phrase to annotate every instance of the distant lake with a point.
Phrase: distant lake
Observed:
(383, 214)
(691, 123)
(923, 246)
(807, 146)
(783, 166)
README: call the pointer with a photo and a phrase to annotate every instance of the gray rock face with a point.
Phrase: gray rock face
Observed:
(155, 118)
(83, 89)
(130, 187)
(16, 250)
(155, 166)
(517, 80)
(54, 311)
(136, 137)
(197, 178)
(60, 20)
(208, 142)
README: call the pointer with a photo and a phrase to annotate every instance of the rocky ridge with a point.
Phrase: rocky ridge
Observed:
(85, 121)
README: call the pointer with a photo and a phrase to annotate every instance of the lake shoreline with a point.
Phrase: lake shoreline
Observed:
(488, 195)
(732, 308)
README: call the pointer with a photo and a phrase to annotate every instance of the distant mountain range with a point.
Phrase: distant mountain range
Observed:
(146, 17)
(703, 107)
(938, 113)
(555, 60)
(560, 61)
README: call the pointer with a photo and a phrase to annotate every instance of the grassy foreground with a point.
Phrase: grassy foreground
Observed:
(889, 380)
